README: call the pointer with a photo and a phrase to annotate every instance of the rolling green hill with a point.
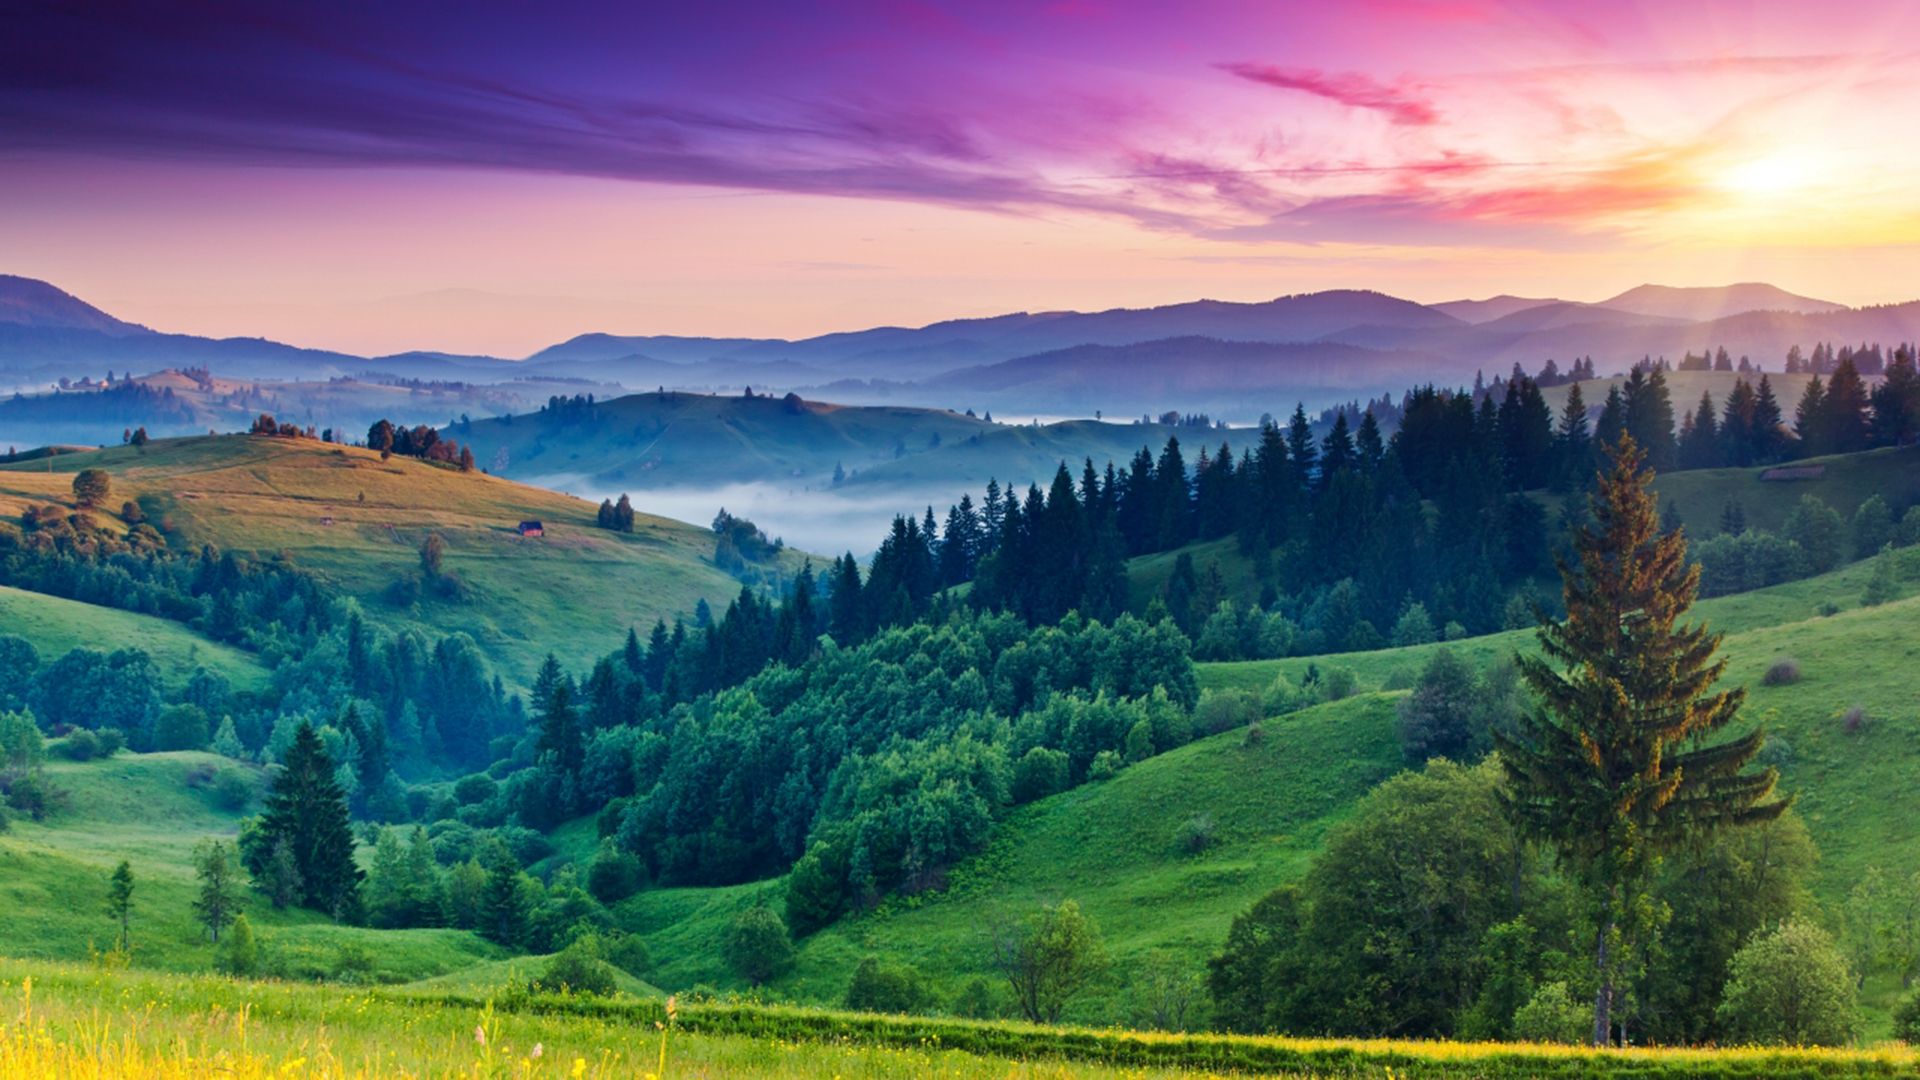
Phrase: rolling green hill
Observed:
(151, 809)
(55, 625)
(684, 440)
(359, 522)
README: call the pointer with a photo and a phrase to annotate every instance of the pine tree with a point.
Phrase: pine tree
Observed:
(1809, 418)
(120, 903)
(1768, 430)
(1615, 766)
(503, 905)
(1573, 441)
(307, 811)
(1844, 414)
(218, 902)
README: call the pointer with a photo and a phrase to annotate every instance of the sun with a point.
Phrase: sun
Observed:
(1771, 175)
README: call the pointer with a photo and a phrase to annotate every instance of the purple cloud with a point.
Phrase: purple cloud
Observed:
(1397, 103)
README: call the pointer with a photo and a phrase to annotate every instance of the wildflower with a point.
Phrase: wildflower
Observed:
(579, 1067)
(538, 1049)
(480, 1034)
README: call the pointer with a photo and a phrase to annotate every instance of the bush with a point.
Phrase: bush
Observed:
(628, 953)
(238, 954)
(477, 788)
(614, 874)
(353, 963)
(885, 988)
(1224, 710)
(233, 789)
(31, 793)
(1790, 987)
(1040, 772)
(1105, 766)
(757, 946)
(977, 1001)
(580, 968)
(1855, 720)
(1906, 1018)
(21, 744)
(182, 727)
(1197, 834)
(1782, 672)
(1552, 1016)
(1255, 735)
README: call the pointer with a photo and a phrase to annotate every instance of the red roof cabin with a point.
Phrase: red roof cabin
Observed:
(532, 528)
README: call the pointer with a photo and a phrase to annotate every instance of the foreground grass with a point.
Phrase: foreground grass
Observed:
(73, 1021)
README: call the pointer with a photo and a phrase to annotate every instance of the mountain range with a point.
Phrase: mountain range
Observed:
(1206, 355)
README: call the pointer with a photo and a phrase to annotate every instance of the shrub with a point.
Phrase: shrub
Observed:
(1883, 584)
(181, 727)
(1224, 710)
(1552, 1016)
(1790, 987)
(628, 953)
(1906, 1019)
(477, 788)
(233, 789)
(757, 946)
(1139, 744)
(580, 968)
(1782, 672)
(1339, 684)
(976, 1000)
(885, 988)
(31, 793)
(1039, 772)
(1197, 834)
(1855, 720)
(21, 744)
(353, 963)
(1255, 735)
(238, 954)
(614, 874)
(1105, 766)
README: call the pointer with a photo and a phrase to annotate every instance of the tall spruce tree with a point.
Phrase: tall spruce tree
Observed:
(308, 812)
(1617, 765)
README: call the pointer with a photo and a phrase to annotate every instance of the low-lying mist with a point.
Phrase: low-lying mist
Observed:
(822, 521)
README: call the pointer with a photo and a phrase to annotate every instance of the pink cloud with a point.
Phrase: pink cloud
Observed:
(1350, 88)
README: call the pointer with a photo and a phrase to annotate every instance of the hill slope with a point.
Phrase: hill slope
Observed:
(55, 625)
(359, 522)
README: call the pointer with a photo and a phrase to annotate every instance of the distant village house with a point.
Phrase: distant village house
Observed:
(532, 528)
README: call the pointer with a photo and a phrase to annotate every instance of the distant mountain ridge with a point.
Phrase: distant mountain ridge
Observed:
(1231, 358)
(28, 301)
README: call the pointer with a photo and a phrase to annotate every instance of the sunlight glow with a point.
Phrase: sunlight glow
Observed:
(1768, 176)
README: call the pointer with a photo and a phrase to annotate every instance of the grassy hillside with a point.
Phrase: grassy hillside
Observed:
(151, 809)
(1851, 784)
(1115, 847)
(55, 625)
(575, 591)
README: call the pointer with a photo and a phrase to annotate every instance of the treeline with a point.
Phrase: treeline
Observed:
(421, 441)
(875, 766)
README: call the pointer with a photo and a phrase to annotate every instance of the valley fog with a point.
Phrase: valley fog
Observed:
(824, 522)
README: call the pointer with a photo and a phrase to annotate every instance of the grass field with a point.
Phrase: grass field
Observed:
(55, 626)
(64, 1020)
(576, 591)
(147, 809)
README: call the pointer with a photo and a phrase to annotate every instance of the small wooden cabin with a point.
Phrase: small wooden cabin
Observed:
(532, 528)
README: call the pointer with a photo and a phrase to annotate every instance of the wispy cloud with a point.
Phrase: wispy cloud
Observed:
(1398, 102)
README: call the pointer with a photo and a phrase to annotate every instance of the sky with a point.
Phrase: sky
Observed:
(495, 177)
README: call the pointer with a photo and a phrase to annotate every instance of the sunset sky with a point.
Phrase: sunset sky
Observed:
(479, 177)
